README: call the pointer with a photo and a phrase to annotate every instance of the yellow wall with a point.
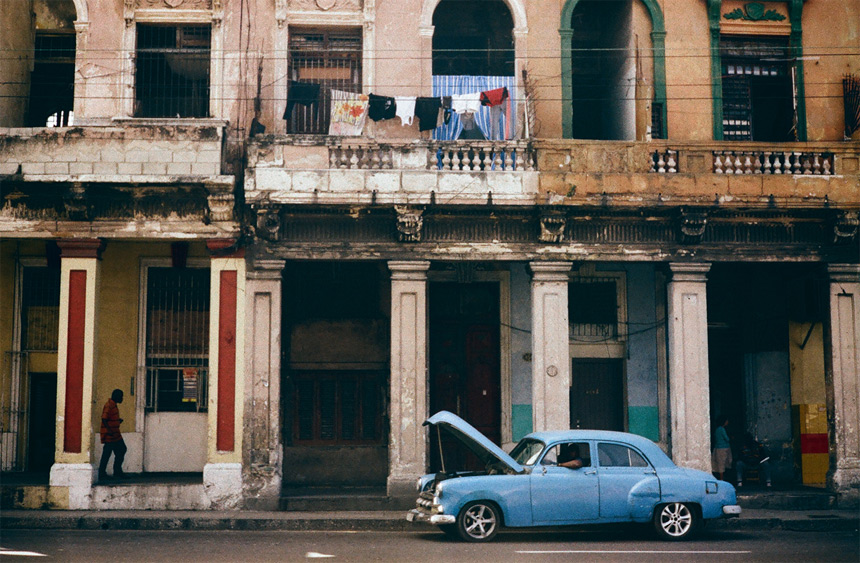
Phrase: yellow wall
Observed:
(807, 365)
(7, 281)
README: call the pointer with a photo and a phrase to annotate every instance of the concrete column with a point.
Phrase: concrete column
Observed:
(263, 452)
(550, 346)
(843, 344)
(222, 474)
(407, 445)
(689, 395)
(72, 474)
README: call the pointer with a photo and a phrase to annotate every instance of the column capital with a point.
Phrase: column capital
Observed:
(266, 269)
(550, 271)
(847, 273)
(689, 271)
(81, 248)
(415, 270)
(224, 248)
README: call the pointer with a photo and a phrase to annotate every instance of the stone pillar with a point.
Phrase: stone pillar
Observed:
(222, 474)
(550, 346)
(263, 453)
(407, 445)
(689, 392)
(72, 474)
(843, 389)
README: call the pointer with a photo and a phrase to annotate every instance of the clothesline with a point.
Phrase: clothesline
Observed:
(349, 110)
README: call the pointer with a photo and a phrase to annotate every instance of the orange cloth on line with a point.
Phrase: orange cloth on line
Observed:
(110, 431)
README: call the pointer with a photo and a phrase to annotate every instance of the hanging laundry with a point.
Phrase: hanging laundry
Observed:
(470, 128)
(427, 112)
(405, 109)
(381, 107)
(466, 103)
(348, 113)
(494, 97)
(302, 93)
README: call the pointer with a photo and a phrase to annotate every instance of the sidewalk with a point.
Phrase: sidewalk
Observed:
(751, 519)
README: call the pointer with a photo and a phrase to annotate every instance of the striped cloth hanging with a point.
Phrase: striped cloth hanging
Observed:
(449, 85)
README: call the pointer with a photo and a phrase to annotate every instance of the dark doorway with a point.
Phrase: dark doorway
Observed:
(464, 359)
(42, 430)
(52, 82)
(473, 38)
(597, 394)
(603, 70)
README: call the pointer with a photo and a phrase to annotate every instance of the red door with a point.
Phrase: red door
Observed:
(464, 360)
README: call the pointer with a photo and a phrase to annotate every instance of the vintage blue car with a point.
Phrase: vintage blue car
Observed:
(545, 481)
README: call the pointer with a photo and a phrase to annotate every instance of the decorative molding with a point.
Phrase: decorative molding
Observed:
(220, 207)
(269, 224)
(754, 11)
(326, 5)
(552, 226)
(845, 227)
(76, 203)
(692, 225)
(174, 4)
(409, 223)
(281, 13)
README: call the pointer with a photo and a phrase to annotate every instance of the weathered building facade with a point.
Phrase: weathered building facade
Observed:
(666, 233)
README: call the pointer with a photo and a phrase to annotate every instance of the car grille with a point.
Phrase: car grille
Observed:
(425, 501)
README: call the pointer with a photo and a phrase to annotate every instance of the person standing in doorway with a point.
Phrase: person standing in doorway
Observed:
(112, 438)
(722, 458)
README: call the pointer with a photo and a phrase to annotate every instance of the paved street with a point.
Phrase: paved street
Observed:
(619, 544)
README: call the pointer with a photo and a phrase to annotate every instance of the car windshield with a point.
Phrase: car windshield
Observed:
(527, 451)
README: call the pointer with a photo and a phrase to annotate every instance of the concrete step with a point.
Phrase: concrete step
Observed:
(325, 499)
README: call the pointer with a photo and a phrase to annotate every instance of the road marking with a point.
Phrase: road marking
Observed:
(640, 551)
(7, 551)
(315, 555)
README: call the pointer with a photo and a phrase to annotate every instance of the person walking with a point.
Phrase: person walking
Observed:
(722, 457)
(112, 438)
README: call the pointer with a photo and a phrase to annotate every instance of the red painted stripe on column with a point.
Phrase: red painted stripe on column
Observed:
(814, 444)
(75, 361)
(226, 362)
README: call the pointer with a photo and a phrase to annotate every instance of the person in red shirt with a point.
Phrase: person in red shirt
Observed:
(112, 438)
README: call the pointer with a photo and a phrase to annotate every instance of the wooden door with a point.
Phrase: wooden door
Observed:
(597, 394)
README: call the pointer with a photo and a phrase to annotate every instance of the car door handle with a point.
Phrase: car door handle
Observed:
(590, 472)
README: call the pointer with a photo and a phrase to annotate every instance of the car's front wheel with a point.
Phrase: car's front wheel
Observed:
(676, 521)
(478, 521)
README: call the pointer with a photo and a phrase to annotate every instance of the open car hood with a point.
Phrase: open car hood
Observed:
(469, 436)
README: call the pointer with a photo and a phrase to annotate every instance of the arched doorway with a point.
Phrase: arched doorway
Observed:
(473, 38)
(474, 52)
(613, 69)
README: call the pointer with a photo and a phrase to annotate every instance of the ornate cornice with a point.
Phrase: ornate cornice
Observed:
(691, 226)
(409, 223)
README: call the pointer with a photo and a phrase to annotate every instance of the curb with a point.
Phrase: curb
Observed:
(341, 523)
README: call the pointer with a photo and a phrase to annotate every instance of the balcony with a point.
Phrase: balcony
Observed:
(166, 174)
(330, 170)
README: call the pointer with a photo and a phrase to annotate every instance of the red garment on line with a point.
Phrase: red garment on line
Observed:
(494, 97)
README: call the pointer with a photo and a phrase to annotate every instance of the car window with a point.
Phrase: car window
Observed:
(527, 451)
(558, 450)
(617, 455)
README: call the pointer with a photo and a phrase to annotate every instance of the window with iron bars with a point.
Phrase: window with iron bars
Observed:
(593, 309)
(172, 71)
(40, 308)
(330, 58)
(177, 339)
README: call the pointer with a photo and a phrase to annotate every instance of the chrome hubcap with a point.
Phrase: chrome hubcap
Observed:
(676, 519)
(479, 521)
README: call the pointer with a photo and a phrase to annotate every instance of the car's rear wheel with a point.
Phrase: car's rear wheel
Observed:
(676, 521)
(478, 521)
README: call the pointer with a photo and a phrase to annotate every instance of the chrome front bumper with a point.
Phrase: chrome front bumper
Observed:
(416, 515)
(731, 511)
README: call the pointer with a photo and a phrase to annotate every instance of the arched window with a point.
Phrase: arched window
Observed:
(473, 38)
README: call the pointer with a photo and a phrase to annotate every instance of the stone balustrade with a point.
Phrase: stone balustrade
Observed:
(773, 162)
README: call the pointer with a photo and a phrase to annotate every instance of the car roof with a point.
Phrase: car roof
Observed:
(651, 450)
